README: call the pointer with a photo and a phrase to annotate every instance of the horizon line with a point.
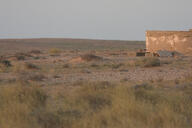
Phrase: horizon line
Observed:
(34, 38)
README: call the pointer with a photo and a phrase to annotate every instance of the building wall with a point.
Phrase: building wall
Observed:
(180, 41)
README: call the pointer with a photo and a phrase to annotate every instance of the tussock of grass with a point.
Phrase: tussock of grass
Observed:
(148, 62)
(30, 66)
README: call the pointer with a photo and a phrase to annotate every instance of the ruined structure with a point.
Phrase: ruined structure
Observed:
(179, 41)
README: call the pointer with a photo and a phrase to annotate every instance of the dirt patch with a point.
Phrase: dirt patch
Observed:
(77, 60)
(86, 58)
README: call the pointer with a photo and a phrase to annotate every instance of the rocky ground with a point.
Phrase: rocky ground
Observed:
(66, 67)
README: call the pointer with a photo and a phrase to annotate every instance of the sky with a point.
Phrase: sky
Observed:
(92, 19)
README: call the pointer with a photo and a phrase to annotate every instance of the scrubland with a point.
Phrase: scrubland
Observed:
(63, 85)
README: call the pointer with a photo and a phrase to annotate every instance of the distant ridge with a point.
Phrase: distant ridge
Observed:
(63, 39)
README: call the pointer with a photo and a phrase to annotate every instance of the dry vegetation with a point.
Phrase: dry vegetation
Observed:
(97, 105)
(91, 57)
(73, 86)
(148, 62)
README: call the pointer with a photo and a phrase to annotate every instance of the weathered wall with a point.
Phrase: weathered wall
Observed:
(180, 41)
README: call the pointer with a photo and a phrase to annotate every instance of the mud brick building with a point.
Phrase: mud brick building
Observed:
(179, 41)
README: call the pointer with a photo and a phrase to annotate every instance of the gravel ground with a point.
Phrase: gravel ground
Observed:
(129, 75)
(180, 70)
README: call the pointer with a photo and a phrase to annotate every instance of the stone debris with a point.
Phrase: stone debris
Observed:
(164, 53)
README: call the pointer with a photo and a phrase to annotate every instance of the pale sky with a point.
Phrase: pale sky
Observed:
(93, 19)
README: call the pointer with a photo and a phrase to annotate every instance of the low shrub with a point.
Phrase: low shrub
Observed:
(4, 65)
(22, 56)
(30, 66)
(91, 57)
(66, 66)
(148, 62)
(35, 52)
(94, 65)
(116, 66)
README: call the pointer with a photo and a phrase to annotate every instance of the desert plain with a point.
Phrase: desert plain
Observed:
(79, 83)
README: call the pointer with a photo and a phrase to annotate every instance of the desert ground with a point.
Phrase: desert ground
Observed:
(76, 83)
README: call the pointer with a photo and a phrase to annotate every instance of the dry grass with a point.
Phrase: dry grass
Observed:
(97, 105)
(21, 106)
(140, 106)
